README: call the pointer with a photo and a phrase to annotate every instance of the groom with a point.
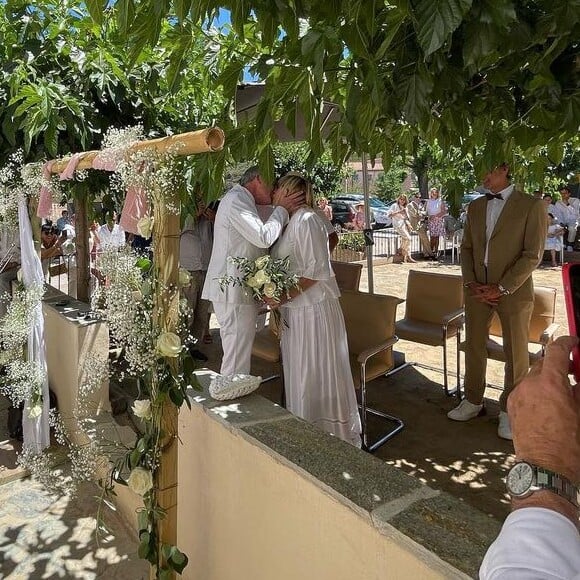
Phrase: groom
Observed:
(240, 232)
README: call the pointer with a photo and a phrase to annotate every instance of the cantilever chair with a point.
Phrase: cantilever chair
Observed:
(267, 347)
(347, 274)
(433, 315)
(370, 329)
(541, 332)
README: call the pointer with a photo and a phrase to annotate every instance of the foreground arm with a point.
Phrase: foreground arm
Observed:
(540, 539)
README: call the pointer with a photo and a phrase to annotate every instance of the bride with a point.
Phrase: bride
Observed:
(317, 375)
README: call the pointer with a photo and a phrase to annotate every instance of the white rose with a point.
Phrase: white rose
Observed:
(270, 289)
(142, 409)
(19, 275)
(184, 278)
(169, 344)
(261, 262)
(140, 480)
(34, 412)
(145, 226)
(262, 278)
(252, 282)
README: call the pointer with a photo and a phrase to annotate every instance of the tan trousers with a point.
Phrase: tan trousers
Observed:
(197, 320)
(515, 315)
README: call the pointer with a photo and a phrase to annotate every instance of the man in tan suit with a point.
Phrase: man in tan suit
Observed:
(503, 243)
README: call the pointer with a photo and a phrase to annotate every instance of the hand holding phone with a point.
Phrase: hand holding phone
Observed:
(571, 279)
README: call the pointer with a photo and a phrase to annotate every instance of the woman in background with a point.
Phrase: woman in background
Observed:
(436, 211)
(400, 218)
(317, 375)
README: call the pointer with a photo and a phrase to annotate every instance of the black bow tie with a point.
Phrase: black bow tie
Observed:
(494, 196)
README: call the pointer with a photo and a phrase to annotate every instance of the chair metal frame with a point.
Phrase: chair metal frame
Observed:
(365, 410)
(362, 359)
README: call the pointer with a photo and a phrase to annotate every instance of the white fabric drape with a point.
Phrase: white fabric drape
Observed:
(35, 430)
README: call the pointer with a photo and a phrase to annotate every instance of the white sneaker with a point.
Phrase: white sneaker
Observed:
(504, 429)
(464, 411)
(569, 249)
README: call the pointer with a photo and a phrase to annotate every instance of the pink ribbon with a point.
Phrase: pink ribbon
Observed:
(104, 160)
(44, 208)
(135, 207)
(69, 170)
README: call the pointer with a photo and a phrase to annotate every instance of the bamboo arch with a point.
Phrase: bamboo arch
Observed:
(167, 247)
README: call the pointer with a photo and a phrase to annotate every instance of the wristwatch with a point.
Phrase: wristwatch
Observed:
(503, 291)
(524, 478)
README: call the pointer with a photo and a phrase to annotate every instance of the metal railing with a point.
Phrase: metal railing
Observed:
(386, 242)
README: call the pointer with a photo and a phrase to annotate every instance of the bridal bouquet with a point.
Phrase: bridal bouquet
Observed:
(265, 277)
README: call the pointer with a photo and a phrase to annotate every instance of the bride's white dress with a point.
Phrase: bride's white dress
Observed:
(317, 375)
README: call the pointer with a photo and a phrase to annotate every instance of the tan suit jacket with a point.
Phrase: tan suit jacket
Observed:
(516, 245)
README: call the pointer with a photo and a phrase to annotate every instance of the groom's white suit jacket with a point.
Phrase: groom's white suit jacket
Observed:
(239, 232)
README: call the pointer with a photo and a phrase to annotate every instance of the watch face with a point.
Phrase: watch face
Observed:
(520, 479)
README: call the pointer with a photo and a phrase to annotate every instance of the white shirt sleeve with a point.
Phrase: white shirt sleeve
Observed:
(245, 219)
(534, 544)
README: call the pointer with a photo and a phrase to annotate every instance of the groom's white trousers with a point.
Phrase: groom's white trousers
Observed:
(237, 330)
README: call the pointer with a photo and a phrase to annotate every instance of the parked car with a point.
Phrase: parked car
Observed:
(469, 197)
(343, 211)
(379, 218)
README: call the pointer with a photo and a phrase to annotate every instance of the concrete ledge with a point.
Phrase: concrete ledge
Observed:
(449, 537)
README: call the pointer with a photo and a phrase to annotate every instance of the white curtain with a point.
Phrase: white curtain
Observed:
(36, 430)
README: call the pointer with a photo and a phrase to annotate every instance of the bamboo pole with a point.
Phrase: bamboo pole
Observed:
(166, 256)
(201, 141)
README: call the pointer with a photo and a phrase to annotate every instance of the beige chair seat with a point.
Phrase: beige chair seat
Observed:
(433, 315)
(375, 367)
(541, 331)
(495, 350)
(423, 332)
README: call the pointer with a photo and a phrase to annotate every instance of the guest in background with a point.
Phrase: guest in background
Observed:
(195, 244)
(436, 210)
(358, 220)
(554, 238)
(50, 244)
(325, 208)
(566, 211)
(400, 218)
(317, 375)
(418, 222)
(111, 234)
(62, 221)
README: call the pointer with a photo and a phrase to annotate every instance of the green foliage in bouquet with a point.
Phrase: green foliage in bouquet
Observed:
(265, 277)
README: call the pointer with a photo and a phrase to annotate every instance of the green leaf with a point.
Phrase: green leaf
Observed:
(182, 8)
(176, 397)
(96, 8)
(178, 560)
(125, 15)
(437, 20)
(415, 90)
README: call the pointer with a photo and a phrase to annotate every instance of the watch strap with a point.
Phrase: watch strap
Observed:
(558, 484)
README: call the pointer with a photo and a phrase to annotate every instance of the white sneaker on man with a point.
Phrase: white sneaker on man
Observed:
(504, 429)
(569, 249)
(464, 411)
